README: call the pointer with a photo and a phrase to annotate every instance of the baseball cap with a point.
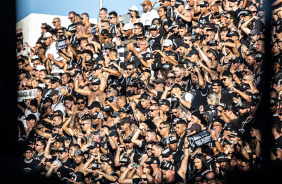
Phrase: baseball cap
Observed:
(232, 33)
(63, 149)
(165, 165)
(244, 87)
(125, 159)
(178, 3)
(40, 67)
(195, 37)
(244, 105)
(154, 27)
(214, 52)
(153, 160)
(93, 145)
(47, 35)
(127, 27)
(97, 66)
(109, 46)
(78, 177)
(53, 92)
(228, 126)
(221, 157)
(115, 114)
(193, 52)
(96, 81)
(78, 152)
(96, 165)
(204, 4)
(166, 152)
(172, 139)
(195, 126)
(227, 74)
(167, 43)
(54, 80)
(164, 102)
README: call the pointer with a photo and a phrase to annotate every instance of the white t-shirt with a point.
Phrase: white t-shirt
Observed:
(53, 51)
(146, 18)
(58, 106)
(27, 112)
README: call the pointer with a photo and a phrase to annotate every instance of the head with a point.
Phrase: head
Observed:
(103, 14)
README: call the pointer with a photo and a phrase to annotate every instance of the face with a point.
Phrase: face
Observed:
(39, 146)
(69, 103)
(56, 22)
(198, 163)
(153, 111)
(137, 30)
(242, 111)
(112, 19)
(144, 103)
(161, 12)
(217, 127)
(103, 15)
(81, 103)
(226, 80)
(156, 151)
(180, 129)
(78, 159)
(216, 88)
(85, 125)
(149, 150)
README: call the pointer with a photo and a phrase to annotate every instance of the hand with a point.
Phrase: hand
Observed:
(120, 148)
(50, 56)
(51, 140)
(130, 46)
(80, 135)
(120, 19)
(67, 143)
(54, 165)
(213, 134)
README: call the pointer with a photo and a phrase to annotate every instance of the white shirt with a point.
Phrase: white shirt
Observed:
(53, 51)
(147, 17)
(58, 106)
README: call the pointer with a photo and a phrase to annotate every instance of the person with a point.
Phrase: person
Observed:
(148, 13)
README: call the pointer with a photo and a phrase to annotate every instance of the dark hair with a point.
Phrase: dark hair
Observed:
(105, 9)
(69, 97)
(203, 159)
(43, 142)
(113, 13)
(85, 14)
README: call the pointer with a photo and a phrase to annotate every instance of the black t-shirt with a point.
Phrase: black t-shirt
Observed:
(278, 143)
(227, 96)
(70, 163)
(199, 96)
(29, 167)
(155, 42)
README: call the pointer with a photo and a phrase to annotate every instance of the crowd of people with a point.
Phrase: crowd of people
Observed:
(168, 97)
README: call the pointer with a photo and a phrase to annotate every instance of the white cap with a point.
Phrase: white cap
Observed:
(58, 162)
(40, 67)
(127, 27)
(167, 43)
(47, 35)
(133, 8)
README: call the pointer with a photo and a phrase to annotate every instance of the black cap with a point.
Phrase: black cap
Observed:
(145, 96)
(166, 152)
(244, 105)
(195, 126)
(204, 4)
(125, 159)
(232, 33)
(154, 27)
(53, 92)
(192, 52)
(160, 81)
(165, 165)
(178, 3)
(244, 87)
(78, 177)
(47, 99)
(221, 157)
(90, 61)
(164, 102)
(99, 58)
(153, 160)
(94, 144)
(54, 80)
(196, 37)
(227, 74)
(94, 104)
(96, 165)
(78, 152)
(63, 149)
(213, 43)
(97, 66)
(214, 52)
(228, 126)
(172, 139)
(96, 81)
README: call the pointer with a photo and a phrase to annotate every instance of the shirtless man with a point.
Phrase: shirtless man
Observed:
(85, 31)
(94, 94)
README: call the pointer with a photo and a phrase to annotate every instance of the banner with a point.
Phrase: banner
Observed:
(27, 94)
(61, 44)
(199, 139)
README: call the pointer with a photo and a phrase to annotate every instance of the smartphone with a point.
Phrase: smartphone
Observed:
(135, 165)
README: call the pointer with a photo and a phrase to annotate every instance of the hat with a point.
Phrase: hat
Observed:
(244, 87)
(227, 73)
(125, 120)
(109, 46)
(172, 139)
(78, 152)
(228, 126)
(97, 66)
(125, 159)
(133, 8)
(214, 52)
(164, 102)
(53, 92)
(198, 25)
(165, 165)
(255, 32)
(30, 117)
(193, 52)
(99, 58)
(96, 165)
(149, 56)
(21, 71)
(160, 81)
(232, 33)
(273, 102)
(166, 66)
(153, 160)
(96, 81)
(127, 27)
(221, 157)
(63, 149)
(204, 4)
(91, 61)
(178, 3)
(78, 177)
(213, 43)
(145, 96)
(58, 162)
(195, 126)
(166, 152)
(54, 80)
(244, 105)
(113, 134)
(234, 134)
(154, 27)
(196, 37)
(47, 99)
(146, 2)
(167, 43)
(197, 114)
(47, 35)
(93, 145)
(40, 67)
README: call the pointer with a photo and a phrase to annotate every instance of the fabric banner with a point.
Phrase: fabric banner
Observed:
(27, 94)
(199, 139)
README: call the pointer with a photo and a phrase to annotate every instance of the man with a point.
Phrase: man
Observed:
(154, 162)
(57, 24)
(227, 95)
(205, 16)
(68, 162)
(170, 12)
(28, 165)
(81, 106)
(71, 28)
(39, 148)
(154, 114)
(85, 31)
(164, 131)
(148, 13)
(20, 49)
(277, 151)
(135, 56)
(56, 105)
(113, 23)
(113, 56)
(127, 132)
(180, 129)
(53, 55)
(155, 40)
(108, 175)
(182, 15)
(69, 104)
(78, 157)
(103, 14)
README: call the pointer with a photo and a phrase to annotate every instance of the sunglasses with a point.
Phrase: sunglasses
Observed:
(110, 17)
(129, 69)
(149, 149)
(224, 79)
(78, 103)
(152, 110)
(162, 128)
(82, 124)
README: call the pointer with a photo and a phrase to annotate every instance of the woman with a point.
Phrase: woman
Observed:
(134, 15)
(200, 165)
